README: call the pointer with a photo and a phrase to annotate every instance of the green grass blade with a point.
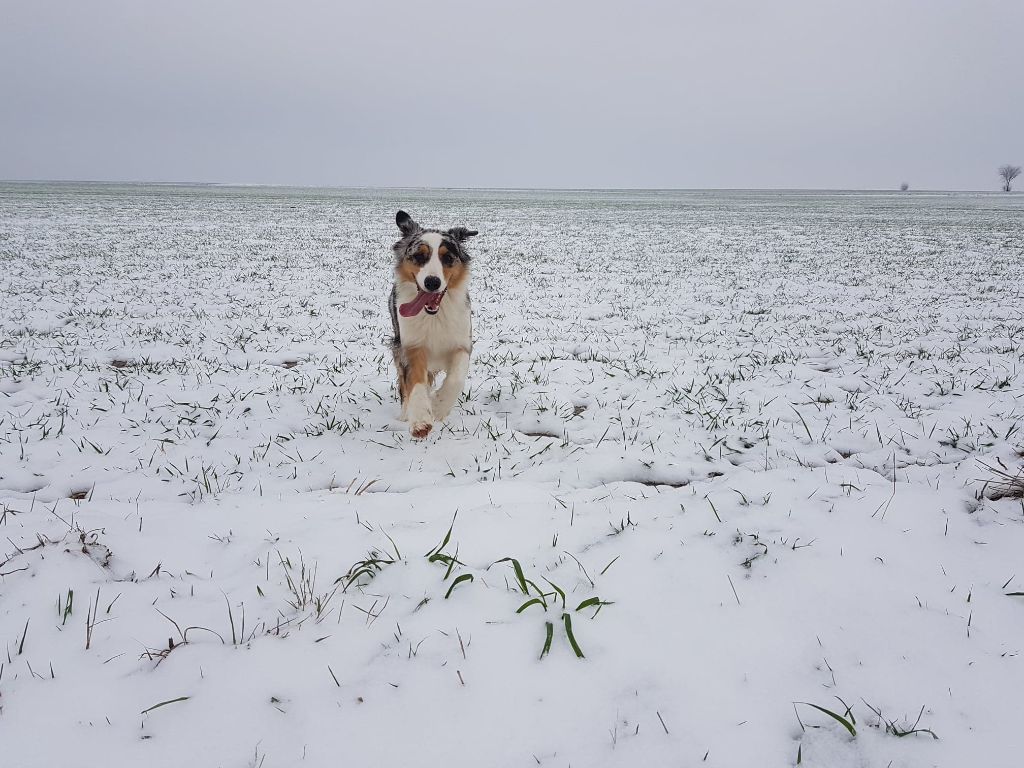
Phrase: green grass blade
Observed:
(451, 564)
(528, 603)
(849, 711)
(164, 704)
(444, 541)
(458, 580)
(549, 629)
(567, 620)
(591, 601)
(398, 555)
(838, 718)
(558, 589)
(519, 573)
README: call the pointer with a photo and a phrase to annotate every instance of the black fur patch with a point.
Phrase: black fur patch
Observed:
(461, 234)
(406, 224)
(396, 340)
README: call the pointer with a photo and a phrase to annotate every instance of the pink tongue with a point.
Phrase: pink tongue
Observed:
(423, 299)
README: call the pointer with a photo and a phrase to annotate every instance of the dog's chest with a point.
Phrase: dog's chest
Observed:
(450, 329)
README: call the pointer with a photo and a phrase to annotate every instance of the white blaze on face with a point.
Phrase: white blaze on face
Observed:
(432, 267)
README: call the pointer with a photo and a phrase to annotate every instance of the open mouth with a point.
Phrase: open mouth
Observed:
(429, 301)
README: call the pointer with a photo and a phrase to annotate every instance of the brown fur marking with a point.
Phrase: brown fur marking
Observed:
(456, 274)
(414, 371)
(406, 271)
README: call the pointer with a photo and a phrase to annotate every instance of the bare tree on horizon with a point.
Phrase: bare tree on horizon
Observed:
(1008, 173)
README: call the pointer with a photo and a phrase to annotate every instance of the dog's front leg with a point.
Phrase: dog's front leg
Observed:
(454, 381)
(417, 400)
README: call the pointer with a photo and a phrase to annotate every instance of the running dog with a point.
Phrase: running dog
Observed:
(430, 315)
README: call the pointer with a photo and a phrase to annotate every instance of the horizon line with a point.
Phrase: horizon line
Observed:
(271, 185)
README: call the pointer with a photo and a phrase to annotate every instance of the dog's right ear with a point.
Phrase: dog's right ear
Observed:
(406, 224)
(461, 234)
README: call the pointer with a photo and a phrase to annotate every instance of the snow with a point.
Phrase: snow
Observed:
(752, 424)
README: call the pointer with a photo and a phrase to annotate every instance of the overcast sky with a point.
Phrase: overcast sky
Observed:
(522, 93)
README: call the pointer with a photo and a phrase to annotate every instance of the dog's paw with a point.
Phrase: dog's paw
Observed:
(420, 429)
(439, 409)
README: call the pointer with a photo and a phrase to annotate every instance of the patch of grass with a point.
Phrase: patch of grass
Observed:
(302, 587)
(900, 730)
(362, 572)
(549, 600)
(1003, 482)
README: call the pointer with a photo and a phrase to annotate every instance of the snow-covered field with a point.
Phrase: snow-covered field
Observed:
(730, 444)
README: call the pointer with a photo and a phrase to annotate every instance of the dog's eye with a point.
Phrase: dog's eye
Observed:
(421, 255)
(447, 254)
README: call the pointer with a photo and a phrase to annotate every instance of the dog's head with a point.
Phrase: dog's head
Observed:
(434, 260)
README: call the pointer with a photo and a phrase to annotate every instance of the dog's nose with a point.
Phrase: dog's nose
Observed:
(432, 282)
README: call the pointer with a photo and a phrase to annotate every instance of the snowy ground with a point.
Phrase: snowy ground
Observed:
(750, 425)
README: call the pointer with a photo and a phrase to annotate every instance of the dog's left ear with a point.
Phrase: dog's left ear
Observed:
(461, 234)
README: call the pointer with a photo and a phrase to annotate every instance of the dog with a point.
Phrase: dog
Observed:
(431, 319)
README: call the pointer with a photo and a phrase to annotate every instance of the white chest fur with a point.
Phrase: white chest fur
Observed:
(441, 334)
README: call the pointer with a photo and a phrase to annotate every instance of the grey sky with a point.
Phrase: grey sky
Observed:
(557, 93)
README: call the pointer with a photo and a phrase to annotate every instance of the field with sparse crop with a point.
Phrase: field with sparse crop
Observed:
(735, 482)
